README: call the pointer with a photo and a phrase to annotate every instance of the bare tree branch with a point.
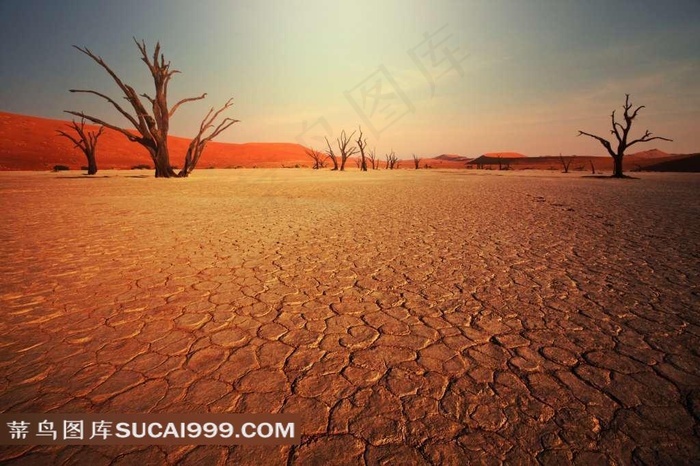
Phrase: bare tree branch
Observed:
(199, 142)
(345, 151)
(189, 99)
(331, 155)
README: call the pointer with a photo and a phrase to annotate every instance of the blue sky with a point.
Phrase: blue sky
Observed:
(503, 75)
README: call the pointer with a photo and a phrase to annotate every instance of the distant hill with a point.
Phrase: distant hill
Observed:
(452, 158)
(31, 143)
(649, 154)
(690, 163)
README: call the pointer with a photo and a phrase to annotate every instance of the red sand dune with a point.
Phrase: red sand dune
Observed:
(31, 143)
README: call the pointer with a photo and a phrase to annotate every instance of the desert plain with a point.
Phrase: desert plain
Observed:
(408, 317)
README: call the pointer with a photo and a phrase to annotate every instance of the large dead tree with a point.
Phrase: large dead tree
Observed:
(86, 141)
(331, 155)
(621, 132)
(346, 150)
(151, 127)
(362, 145)
(319, 158)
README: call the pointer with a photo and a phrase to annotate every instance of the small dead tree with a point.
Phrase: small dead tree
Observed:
(391, 161)
(86, 141)
(331, 155)
(197, 145)
(319, 158)
(416, 161)
(566, 163)
(362, 145)
(346, 150)
(592, 167)
(372, 156)
(621, 132)
(152, 127)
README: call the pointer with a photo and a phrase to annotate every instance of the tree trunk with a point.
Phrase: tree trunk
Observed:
(162, 163)
(92, 164)
(617, 171)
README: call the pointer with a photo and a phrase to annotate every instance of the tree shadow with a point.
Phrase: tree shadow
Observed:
(610, 177)
(94, 177)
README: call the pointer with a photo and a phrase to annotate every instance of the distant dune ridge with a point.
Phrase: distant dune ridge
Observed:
(31, 143)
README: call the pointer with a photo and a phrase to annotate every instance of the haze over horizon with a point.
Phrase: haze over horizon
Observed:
(464, 78)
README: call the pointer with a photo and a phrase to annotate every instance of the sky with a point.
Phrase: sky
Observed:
(419, 77)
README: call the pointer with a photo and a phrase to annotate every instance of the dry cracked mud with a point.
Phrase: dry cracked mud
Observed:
(408, 317)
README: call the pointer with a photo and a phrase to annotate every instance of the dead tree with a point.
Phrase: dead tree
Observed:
(592, 167)
(362, 145)
(197, 145)
(86, 141)
(319, 158)
(564, 163)
(621, 132)
(416, 161)
(346, 150)
(331, 155)
(151, 127)
(372, 156)
(392, 161)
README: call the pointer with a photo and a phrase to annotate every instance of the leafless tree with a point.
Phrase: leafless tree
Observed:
(566, 163)
(621, 132)
(416, 161)
(345, 148)
(86, 141)
(152, 127)
(362, 145)
(319, 158)
(331, 155)
(592, 167)
(197, 145)
(392, 161)
(372, 156)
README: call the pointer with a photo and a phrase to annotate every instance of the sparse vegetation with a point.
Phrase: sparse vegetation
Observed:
(566, 163)
(392, 161)
(319, 158)
(362, 144)
(372, 156)
(416, 161)
(86, 141)
(152, 127)
(331, 155)
(621, 132)
(60, 168)
(345, 148)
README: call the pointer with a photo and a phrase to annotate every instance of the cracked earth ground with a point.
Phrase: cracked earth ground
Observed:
(409, 317)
